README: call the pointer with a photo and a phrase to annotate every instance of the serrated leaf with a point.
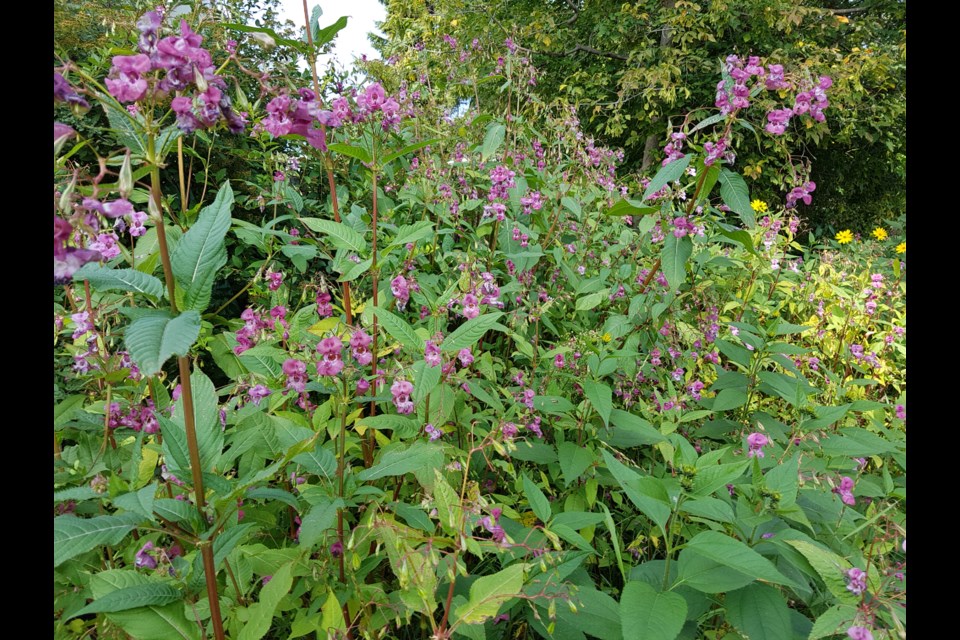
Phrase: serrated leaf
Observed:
(152, 338)
(741, 237)
(201, 251)
(342, 236)
(410, 148)
(469, 333)
(734, 193)
(260, 615)
(492, 140)
(327, 34)
(673, 259)
(399, 330)
(397, 462)
(601, 397)
(651, 614)
(734, 554)
(244, 28)
(574, 460)
(294, 198)
(654, 509)
(412, 233)
(354, 271)
(834, 621)
(151, 622)
(572, 205)
(142, 595)
(105, 279)
(536, 499)
(73, 536)
(488, 593)
(625, 207)
(667, 174)
(140, 502)
(589, 301)
(318, 520)
(206, 420)
(358, 153)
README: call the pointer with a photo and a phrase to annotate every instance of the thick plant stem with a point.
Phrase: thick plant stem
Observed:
(206, 549)
(374, 274)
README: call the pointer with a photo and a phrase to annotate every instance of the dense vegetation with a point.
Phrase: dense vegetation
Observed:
(421, 356)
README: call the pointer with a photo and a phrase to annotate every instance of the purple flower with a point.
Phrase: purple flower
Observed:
(558, 361)
(324, 308)
(63, 92)
(401, 291)
(336, 549)
(901, 412)
(331, 364)
(258, 393)
(144, 558)
(509, 430)
(362, 386)
(360, 347)
(431, 354)
(401, 390)
(856, 581)
(432, 432)
(465, 357)
(859, 633)
(275, 278)
(296, 371)
(845, 490)
(756, 442)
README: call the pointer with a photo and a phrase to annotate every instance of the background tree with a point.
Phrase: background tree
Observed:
(633, 69)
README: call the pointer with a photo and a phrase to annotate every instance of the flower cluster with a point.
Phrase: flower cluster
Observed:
(302, 117)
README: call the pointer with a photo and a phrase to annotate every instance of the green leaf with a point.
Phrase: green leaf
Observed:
(260, 615)
(856, 442)
(318, 520)
(466, 335)
(589, 301)
(410, 148)
(574, 460)
(174, 510)
(141, 595)
(759, 612)
(577, 519)
(538, 502)
(572, 205)
(358, 153)
(342, 236)
(64, 411)
(729, 399)
(834, 621)
(399, 461)
(355, 270)
(73, 536)
(270, 32)
(552, 404)
(741, 237)
(829, 566)
(732, 553)
(601, 397)
(400, 425)
(153, 337)
(734, 193)
(597, 614)
(206, 420)
(319, 461)
(708, 575)
(710, 508)
(676, 252)
(425, 379)
(667, 174)
(632, 431)
(492, 140)
(412, 233)
(140, 502)
(488, 593)
(399, 330)
(201, 251)
(105, 279)
(657, 511)
(629, 208)
(294, 198)
(648, 614)
(325, 35)
(151, 622)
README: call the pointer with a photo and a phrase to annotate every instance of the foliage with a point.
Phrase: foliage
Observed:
(420, 372)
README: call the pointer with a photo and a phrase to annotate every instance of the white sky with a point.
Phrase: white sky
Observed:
(352, 41)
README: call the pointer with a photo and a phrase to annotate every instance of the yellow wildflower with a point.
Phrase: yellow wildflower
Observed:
(759, 206)
(879, 233)
(607, 337)
(845, 236)
(902, 247)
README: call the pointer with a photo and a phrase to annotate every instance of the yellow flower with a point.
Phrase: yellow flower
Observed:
(845, 236)
(607, 337)
(759, 206)
(902, 247)
(880, 233)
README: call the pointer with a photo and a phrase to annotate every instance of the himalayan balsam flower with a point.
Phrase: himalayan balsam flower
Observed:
(465, 357)
(144, 558)
(845, 490)
(332, 363)
(360, 347)
(756, 442)
(258, 393)
(856, 581)
(401, 390)
(859, 633)
(431, 354)
(432, 432)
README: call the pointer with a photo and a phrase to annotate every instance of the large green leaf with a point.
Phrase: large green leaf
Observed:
(141, 595)
(358, 153)
(538, 502)
(628, 479)
(325, 35)
(648, 614)
(397, 461)
(410, 148)
(399, 330)
(155, 336)
(667, 174)
(673, 259)
(574, 460)
(708, 575)
(318, 520)
(488, 593)
(260, 615)
(734, 554)
(492, 140)
(140, 502)
(734, 193)
(631, 430)
(151, 622)
(73, 536)
(466, 335)
(206, 420)
(201, 251)
(759, 612)
(601, 397)
(105, 279)
(342, 236)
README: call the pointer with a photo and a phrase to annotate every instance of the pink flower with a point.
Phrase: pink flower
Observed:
(846, 491)
(332, 363)
(859, 633)
(756, 442)
(466, 358)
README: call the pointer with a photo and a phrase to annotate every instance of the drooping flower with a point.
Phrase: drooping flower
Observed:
(845, 491)
(756, 441)
(859, 633)
(432, 432)
(258, 393)
(465, 357)
(332, 363)
(856, 581)
(360, 347)
(401, 391)
(144, 558)
(431, 354)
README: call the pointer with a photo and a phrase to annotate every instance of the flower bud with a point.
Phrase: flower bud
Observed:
(126, 177)
(66, 197)
(154, 211)
(200, 81)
